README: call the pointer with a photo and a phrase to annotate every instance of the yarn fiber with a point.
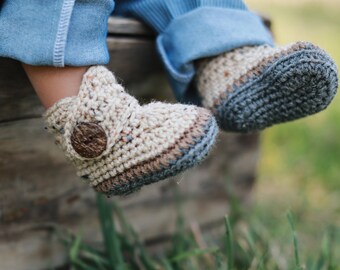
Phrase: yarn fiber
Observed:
(251, 88)
(144, 144)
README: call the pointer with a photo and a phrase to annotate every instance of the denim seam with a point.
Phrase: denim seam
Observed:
(61, 37)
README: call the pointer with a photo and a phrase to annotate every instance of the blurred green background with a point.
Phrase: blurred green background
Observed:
(299, 166)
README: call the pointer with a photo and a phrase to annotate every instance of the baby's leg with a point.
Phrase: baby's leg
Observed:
(53, 84)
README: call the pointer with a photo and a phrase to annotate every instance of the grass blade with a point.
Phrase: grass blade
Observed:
(111, 239)
(325, 260)
(166, 264)
(295, 240)
(94, 257)
(330, 237)
(145, 258)
(229, 243)
(74, 251)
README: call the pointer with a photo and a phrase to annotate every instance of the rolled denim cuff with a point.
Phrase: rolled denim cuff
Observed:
(192, 29)
(86, 42)
(55, 33)
(204, 32)
(160, 13)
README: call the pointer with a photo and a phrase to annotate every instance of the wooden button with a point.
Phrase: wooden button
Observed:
(89, 140)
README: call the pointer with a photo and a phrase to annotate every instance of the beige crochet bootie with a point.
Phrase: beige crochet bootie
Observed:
(118, 145)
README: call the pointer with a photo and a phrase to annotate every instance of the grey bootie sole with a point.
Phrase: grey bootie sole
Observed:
(295, 82)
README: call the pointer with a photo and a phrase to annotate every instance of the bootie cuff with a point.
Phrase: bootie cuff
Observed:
(87, 126)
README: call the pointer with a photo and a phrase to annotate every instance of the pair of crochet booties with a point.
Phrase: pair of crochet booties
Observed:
(118, 146)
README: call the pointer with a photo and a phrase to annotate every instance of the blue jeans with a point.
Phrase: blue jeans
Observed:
(73, 32)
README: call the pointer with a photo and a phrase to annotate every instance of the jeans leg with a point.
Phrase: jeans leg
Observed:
(55, 32)
(193, 29)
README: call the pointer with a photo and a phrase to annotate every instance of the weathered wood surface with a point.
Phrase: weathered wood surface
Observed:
(38, 187)
(132, 59)
(124, 26)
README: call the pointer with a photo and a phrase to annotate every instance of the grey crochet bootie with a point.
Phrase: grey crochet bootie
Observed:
(251, 88)
(117, 145)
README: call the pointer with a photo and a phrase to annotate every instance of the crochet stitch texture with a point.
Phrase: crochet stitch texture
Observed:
(118, 145)
(251, 88)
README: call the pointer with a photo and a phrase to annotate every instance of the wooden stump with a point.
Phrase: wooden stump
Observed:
(38, 188)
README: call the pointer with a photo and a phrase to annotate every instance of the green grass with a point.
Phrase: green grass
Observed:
(245, 245)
